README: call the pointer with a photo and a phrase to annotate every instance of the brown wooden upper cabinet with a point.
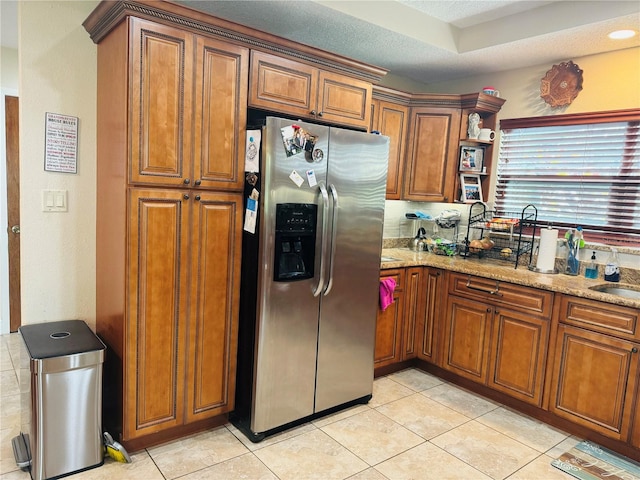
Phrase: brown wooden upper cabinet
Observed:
(188, 112)
(282, 85)
(426, 132)
(392, 119)
(431, 167)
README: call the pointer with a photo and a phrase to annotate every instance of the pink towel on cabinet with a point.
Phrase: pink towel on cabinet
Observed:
(387, 287)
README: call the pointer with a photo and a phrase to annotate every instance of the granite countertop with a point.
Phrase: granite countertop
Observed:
(505, 271)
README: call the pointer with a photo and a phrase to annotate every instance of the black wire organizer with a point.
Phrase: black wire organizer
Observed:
(512, 233)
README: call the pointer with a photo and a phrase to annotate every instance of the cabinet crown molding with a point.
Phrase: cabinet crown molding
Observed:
(108, 14)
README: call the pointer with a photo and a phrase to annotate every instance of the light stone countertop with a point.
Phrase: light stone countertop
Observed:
(505, 271)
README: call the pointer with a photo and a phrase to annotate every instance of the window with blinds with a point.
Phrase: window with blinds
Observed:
(577, 170)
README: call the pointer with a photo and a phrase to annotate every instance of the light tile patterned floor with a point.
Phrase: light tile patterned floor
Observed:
(415, 427)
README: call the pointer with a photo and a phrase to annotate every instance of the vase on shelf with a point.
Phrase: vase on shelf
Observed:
(473, 132)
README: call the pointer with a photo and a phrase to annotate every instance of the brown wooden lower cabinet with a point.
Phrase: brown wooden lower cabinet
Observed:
(518, 355)
(414, 310)
(467, 333)
(496, 334)
(496, 337)
(405, 330)
(498, 347)
(430, 302)
(595, 379)
(388, 348)
(180, 325)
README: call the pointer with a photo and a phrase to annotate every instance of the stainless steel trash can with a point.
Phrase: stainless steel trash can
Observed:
(62, 432)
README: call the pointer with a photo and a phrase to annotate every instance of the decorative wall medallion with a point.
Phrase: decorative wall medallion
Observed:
(561, 85)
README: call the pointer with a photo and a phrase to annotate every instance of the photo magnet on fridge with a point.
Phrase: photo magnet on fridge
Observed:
(296, 140)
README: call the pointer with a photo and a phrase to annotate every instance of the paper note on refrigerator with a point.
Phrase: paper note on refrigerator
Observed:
(252, 151)
(251, 213)
(296, 178)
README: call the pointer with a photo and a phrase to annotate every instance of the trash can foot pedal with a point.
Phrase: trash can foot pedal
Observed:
(21, 451)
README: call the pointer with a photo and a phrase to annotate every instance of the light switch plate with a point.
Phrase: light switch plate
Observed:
(54, 200)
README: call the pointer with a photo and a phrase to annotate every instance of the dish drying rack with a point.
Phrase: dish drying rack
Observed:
(513, 233)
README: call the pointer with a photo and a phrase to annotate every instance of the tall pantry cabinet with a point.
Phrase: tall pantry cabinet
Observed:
(171, 117)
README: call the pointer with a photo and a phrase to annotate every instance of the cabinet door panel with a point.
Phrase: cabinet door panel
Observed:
(519, 350)
(156, 330)
(283, 85)
(594, 381)
(216, 249)
(344, 100)
(161, 104)
(414, 310)
(431, 317)
(389, 325)
(432, 163)
(220, 114)
(467, 333)
(392, 121)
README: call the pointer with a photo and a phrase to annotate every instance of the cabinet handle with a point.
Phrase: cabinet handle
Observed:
(313, 112)
(319, 114)
(197, 183)
(185, 196)
(488, 310)
(197, 198)
(484, 290)
(186, 181)
(634, 350)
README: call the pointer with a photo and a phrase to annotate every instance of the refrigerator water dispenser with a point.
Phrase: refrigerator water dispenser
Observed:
(295, 241)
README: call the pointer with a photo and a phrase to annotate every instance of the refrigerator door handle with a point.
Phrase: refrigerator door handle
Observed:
(334, 229)
(325, 221)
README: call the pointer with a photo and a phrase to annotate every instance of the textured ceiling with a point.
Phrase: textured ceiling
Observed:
(433, 41)
(428, 41)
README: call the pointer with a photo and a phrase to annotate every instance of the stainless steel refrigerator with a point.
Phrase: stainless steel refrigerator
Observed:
(310, 275)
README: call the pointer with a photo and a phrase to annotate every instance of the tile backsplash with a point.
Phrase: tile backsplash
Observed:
(396, 225)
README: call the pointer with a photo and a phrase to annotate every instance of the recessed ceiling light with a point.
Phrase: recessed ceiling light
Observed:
(622, 34)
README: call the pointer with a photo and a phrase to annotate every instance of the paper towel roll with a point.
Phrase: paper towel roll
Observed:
(547, 250)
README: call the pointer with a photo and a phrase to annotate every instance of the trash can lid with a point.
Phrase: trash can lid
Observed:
(55, 339)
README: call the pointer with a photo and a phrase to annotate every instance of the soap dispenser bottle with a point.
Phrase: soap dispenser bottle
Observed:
(612, 268)
(592, 268)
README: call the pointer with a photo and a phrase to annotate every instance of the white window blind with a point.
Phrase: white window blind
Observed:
(584, 174)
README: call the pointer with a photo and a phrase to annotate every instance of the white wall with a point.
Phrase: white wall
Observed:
(57, 74)
(8, 86)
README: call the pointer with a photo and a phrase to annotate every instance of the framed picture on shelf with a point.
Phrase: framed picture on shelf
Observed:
(471, 188)
(471, 159)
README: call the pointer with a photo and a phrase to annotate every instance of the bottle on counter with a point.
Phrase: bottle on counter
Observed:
(612, 268)
(592, 268)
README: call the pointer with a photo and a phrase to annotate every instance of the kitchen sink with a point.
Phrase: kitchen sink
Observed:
(622, 290)
(389, 259)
